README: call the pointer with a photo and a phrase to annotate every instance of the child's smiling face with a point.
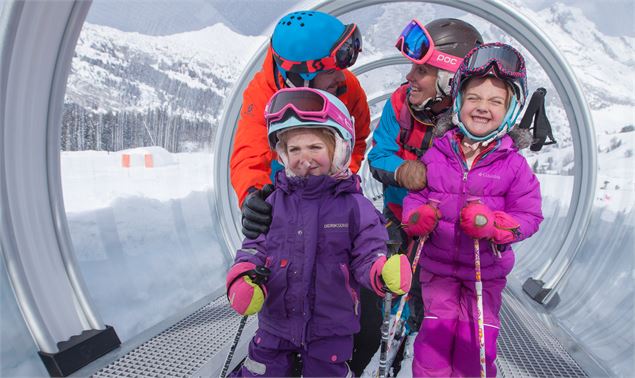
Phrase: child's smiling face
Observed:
(485, 103)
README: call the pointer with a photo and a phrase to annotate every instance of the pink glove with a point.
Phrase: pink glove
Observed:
(480, 222)
(477, 220)
(245, 296)
(422, 220)
(394, 273)
(506, 228)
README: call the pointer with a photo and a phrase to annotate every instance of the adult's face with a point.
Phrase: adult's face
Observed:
(422, 79)
(328, 80)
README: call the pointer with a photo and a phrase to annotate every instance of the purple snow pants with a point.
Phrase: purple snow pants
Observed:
(272, 356)
(447, 344)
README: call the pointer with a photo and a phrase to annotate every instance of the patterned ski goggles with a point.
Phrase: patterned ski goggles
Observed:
(416, 44)
(307, 104)
(505, 60)
(343, 54)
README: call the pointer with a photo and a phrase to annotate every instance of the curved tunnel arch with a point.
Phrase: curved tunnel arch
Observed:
(33, 100)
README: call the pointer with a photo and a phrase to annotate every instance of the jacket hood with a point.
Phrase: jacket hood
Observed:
(316, 186)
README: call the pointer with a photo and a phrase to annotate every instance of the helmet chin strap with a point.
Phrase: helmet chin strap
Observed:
(442, 88)
(444, 82)
(306, 83)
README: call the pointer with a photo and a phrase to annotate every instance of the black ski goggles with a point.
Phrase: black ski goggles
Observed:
(508, 61)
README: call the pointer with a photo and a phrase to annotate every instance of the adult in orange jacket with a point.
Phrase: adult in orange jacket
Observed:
(308, 48)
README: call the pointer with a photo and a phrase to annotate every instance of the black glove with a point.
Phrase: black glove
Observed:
(256, 212)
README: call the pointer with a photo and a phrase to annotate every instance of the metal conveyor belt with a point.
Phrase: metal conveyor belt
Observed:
(525, 346)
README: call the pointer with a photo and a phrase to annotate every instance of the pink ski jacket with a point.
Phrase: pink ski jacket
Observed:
(500, 178)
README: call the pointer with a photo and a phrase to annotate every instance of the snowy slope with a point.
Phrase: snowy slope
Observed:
(189, 73)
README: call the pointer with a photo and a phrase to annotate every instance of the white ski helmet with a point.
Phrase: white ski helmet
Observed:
(303, 107)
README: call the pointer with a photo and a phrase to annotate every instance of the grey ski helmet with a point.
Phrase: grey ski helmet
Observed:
(455, 37)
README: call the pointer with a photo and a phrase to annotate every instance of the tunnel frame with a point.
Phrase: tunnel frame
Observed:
(30, 183)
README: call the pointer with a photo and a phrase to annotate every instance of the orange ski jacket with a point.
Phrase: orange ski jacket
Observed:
(250, 162)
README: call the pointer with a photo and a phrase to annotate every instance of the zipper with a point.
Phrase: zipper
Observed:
(457, 229)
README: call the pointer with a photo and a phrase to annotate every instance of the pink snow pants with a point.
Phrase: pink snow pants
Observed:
(447, 344)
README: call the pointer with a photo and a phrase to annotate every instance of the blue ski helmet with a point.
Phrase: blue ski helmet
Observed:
(305, 35)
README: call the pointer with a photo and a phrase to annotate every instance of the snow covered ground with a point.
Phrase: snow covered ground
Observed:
(138, 231)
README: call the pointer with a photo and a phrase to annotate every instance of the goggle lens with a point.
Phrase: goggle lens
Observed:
(346, 54)
(414, 41)
(305, 101)
(507, 60)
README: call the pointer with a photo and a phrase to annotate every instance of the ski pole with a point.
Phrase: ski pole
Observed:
(393, 247)
(258, 276)
(415, 262)
(479, 220)
(406, 297)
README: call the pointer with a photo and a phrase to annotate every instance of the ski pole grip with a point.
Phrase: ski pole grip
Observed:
(393, 247)
(260, 274)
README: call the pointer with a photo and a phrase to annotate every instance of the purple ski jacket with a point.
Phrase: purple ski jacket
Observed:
(324, 237)
(500, 178)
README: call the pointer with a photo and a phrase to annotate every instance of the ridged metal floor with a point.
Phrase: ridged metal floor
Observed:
(182, 349)
(525, 346)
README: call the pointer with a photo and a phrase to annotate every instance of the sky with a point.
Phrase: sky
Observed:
(251, 17)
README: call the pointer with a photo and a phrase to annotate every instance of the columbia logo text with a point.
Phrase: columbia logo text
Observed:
(489, 175)
(336, 225)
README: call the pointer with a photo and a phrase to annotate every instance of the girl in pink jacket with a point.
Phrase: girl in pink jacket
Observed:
(479, 187)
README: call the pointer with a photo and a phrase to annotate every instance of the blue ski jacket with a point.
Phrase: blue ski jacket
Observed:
(399, 136)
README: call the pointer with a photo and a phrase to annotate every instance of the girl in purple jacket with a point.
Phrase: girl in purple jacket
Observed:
(479, 188)
(325, 240)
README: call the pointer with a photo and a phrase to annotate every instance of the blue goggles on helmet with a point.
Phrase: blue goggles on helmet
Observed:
(416, 44)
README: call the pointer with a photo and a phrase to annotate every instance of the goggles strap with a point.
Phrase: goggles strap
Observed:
(444, 61)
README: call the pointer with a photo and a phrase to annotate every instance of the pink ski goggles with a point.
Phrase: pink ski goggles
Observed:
(308, 104)
(416, 44)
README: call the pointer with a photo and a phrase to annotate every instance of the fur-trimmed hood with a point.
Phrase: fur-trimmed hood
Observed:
(522, 137)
